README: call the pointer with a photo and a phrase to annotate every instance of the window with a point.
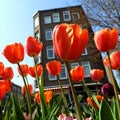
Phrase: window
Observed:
(56, 17)
(38, 58)
(87, 68)
(48, 34)
(75, 16)
(73, 65)
(47, 19)
(66, 15)
(36, 22)
(51, 78)
(37, 35)
(50, 52)
(84, 52)
(63, 74)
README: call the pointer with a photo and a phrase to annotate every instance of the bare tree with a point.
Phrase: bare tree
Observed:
(102, 13)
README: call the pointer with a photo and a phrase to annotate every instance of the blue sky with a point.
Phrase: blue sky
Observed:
(16, 24)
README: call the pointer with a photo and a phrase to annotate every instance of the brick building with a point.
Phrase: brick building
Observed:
(44, 22)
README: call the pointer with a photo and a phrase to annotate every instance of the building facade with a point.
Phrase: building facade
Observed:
(44, 22)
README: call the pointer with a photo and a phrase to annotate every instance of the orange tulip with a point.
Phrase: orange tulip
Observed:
(14, 53)
(114, 60)
(69, 41)
(7, 73)
(106, 39)
(96, 74)
(33, 46)
(5, 86)
(77, 74)
(37, 97)
(54, 67)
(1, 67)
(92, 103)
(24, 68)
(32, 71)
(29, 87)
(48, 95)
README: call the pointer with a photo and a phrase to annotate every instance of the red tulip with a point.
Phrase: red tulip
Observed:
(33, 46)
(14, 53)
(29, 87)
(69, 41)
(114, 60)
(96, 74)
(1, 67)
(106, 39)
(37, 97)
(32, 70)
(77, 74)
(24, 68)
(7, 73)
(5, 86)
(54, 67)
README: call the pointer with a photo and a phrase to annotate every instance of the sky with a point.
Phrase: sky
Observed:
(16, 24)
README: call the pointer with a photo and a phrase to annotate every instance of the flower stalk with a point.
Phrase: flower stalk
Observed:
(27, 92)
(77, 106)
(62, 92)
(113, 82)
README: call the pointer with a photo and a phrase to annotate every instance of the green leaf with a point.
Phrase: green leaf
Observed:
(53, 113)
(17, 113)
(91, 94)
(114, 108)
(7, 108)
(105, 112)
(43, 102)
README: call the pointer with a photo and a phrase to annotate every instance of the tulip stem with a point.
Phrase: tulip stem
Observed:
(39, 86)
(77, 106)
(114, 85)
(62, 92)
(0, 111)
(96, 88)
(27, 92)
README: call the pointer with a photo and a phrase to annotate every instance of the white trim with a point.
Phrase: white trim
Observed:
(66, 13)
(73, 65)
(56, 15)
(51, 49)
(84, 64)
(61, 77)
(77, 14)
(47, 19)
(48, 31)
(52, 79)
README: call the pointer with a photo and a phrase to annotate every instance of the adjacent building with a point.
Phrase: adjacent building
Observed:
(44, 22)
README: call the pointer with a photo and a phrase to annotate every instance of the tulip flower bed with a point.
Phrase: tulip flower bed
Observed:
(45, 105)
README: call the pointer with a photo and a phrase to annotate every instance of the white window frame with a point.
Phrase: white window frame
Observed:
(48, 31)
(56, 17)
(86, 64)
(66, 13)
(63, 68)
(75, 13)
(50, 48)
(36, 22)
(47, 19)
(73, 65)
(52, 78)
(85, 52)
